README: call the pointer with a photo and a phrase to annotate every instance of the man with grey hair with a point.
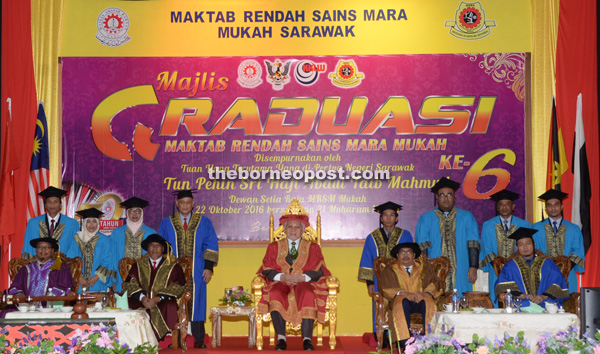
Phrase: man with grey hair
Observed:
(296, 274)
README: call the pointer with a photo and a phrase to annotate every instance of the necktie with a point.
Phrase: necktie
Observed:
(529, 261)
(293, 252)
(154, 265)
(407, 270)
(185, 225)
(555, 227)
(505, 227)
(51, 227)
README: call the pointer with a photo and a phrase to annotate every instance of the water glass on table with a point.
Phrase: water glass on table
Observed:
(517, 301)
(464, 302)
(104, 300)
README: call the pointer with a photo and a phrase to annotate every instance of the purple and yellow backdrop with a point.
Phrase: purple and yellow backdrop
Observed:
(151, 126)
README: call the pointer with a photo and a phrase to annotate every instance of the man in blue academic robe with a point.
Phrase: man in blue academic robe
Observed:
(453, 233)
(557, 236)
(127, 239)
(51, 224)
(379, 244)
(495, 241)
(531, 277)
(193, 235)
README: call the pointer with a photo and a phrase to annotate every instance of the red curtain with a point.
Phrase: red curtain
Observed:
(576, 72)
(18, 84)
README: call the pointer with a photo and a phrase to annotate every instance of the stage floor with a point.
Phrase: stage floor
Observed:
(237, 345)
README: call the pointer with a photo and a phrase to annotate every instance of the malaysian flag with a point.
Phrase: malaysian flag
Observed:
(39, 174)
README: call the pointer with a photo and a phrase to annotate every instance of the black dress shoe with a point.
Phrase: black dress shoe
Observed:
(308, 345)
(200, 345)
(281, 345)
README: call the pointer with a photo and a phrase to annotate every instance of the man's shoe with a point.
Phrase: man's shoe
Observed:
(308, 345)
(281, 345)
(200, 345)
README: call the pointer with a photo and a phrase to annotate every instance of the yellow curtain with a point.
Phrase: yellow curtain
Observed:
(544, 22)
(46, 16)
(46, 28)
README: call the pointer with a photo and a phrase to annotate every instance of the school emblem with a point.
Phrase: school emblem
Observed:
(307, 72)
(249, 73)
(346, 74)
(470, 23)
(278, 73)
(113, 24)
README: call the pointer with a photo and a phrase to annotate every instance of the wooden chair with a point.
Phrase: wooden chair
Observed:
(441, 267)
(333, 284)
(179, 333)
(572, 304)
(74, 264)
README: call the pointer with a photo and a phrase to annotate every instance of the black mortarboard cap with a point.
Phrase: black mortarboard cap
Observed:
(445, 183)
(90, 213)
(135, 202)
(411, 245)
(52, 192)
(50, 240)
(522, 232)
(186, 193)
(387, 206)
(155, 238)
(504, 194)
(553, 194)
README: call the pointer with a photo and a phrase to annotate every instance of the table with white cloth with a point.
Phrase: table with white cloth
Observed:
(133, 326)
(491, 325)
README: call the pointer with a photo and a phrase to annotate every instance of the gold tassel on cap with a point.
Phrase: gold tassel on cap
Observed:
(57, 262)
(169, 257)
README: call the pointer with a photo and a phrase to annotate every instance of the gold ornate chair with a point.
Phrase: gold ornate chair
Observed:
(333, 284)
(441, 267)
(179, 333)
(74, 264)
(572, 304)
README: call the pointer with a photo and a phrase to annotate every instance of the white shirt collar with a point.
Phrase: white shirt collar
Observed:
(54, 218)
(183, 218)
(290, 243)
(558, 221)
(509, 220)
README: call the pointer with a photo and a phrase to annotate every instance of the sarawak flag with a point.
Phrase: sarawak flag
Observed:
(557, 157)
(582, 188)
(39, 174)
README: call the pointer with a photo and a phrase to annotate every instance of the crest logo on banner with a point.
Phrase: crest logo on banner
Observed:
(346, 74)
(307, 72)
(249, 73)
(278, 73)
(470, 23)
(113, 24)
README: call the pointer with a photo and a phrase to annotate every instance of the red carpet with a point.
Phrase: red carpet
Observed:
(236, 345)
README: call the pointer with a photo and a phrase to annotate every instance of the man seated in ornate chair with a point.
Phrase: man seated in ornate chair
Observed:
(44, 276)
(155, 283)
(530, 276)
(296, 274)
(410, 286)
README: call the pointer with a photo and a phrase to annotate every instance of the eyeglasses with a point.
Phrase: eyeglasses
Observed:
(134, 211)
(44, 247)
(449, 195)
(406, 252)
